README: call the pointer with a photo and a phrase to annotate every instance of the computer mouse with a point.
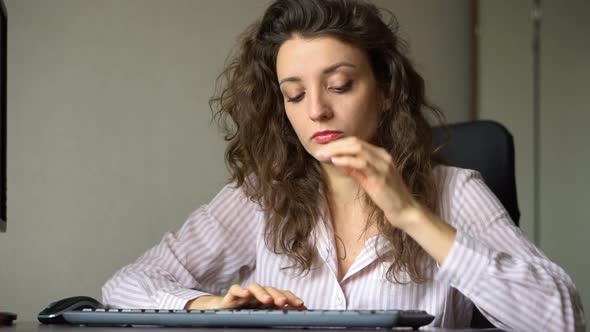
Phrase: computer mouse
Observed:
(52, 314)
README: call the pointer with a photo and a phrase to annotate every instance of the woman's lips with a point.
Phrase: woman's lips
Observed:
(323, 137)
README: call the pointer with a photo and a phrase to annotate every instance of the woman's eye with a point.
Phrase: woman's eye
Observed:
(342, 88)
(295, 99)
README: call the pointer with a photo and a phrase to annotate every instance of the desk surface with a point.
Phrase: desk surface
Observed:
(36, 327)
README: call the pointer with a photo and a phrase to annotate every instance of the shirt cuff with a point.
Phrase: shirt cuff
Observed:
(465, 263)
(178, 298)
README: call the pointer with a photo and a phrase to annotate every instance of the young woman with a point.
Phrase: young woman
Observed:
(336, 201)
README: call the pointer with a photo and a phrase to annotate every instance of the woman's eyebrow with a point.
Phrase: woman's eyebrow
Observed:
(328, 70)
(337, 65)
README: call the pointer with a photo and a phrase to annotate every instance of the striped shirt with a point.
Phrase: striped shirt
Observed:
(491, 264)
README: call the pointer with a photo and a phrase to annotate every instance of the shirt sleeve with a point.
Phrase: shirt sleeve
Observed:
(212, 247)
(509, 279)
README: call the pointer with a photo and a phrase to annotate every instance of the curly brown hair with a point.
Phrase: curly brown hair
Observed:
(267, 160)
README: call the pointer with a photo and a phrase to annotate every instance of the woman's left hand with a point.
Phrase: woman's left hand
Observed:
(374, 169)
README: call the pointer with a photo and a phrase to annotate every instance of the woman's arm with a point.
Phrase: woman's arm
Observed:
(489, 260)
(215, 244)
(483, 254)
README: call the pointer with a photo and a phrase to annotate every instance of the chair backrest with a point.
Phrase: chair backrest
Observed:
(484, 146)
(487, 147)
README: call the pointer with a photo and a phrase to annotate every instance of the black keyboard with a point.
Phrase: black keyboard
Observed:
(251, 318)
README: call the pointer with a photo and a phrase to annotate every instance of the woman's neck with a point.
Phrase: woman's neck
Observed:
(348, 211)
(342, 189)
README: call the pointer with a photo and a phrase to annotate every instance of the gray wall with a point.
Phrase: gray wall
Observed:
(565, 152)
(506, 90)
(110, 142)
(505, 86)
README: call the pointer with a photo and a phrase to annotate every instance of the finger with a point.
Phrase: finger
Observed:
(347, 145)
(351, 164)
(352, 146)
(385, 155)
(280, 299)
(253, 303)
(235, 297)
(379, 159)
(294, 301)
(238, 292)
(260, 293)
(290, 307)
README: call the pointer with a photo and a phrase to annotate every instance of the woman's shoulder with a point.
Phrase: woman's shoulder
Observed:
(453, 185)
(465, 200)
(234, 196)
(231, 208)
(451, 176)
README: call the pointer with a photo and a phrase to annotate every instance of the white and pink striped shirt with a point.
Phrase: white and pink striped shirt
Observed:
(490, 264)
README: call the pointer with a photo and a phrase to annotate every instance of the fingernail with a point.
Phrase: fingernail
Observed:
(298, 302)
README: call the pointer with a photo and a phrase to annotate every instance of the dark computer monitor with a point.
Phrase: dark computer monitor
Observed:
(2, 117)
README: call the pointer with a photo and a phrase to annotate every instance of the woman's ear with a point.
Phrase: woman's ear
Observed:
(386, 103)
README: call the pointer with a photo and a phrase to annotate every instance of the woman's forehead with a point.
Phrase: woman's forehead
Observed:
(310, 56)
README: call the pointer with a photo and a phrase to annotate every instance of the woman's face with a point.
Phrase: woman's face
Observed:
(329, 90)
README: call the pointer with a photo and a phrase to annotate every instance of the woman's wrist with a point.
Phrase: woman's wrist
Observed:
(405, 217)
(433, 234)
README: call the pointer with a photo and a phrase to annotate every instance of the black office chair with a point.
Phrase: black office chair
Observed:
(487, 147)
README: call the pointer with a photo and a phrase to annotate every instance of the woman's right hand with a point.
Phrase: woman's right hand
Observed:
(254, 296)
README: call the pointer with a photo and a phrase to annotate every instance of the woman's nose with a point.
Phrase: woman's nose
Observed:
(319, 107)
